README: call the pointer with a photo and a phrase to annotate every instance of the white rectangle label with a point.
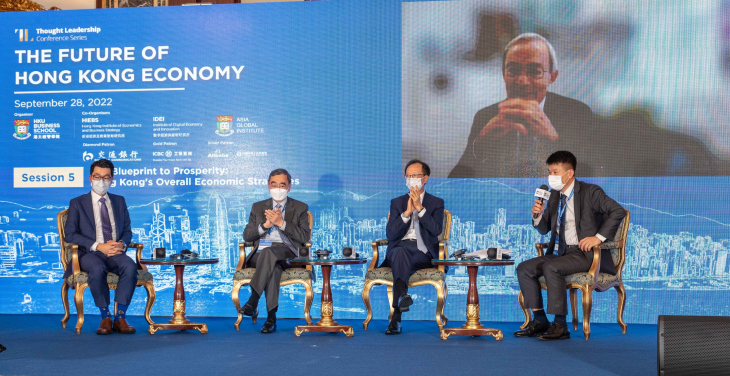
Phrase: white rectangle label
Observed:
(48, 177)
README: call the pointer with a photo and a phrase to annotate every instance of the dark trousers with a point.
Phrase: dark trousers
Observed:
(98, 265)
(404, 260)
(554, 268)
(270, 263)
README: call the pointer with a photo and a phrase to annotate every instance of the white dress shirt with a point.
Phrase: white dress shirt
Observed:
(97, 218)
(273, 236)
(571, 233)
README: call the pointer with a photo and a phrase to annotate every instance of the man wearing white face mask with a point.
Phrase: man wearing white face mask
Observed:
(278, 227)
(579, 216)
(415, 222)
(98, 222)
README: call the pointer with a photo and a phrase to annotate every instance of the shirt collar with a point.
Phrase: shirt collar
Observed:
(570, 189)
(95, 196)
(542, 104)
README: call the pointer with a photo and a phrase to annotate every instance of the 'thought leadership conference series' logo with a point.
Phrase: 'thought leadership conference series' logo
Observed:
(225, 125)
(21, 129)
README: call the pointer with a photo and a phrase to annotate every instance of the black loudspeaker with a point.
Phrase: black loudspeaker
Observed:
(349, 252)
(693, 345)
(303, 252)
(160, 253)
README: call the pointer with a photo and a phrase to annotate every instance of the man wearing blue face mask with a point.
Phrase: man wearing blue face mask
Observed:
(278, 227)
(98, 222)
(579, 216)
(415, 222)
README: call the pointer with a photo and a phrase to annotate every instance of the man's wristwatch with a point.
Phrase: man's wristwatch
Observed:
(266, 229)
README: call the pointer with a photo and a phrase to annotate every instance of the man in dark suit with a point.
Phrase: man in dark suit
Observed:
(579, 216)
(278, 226)
(98, 222)
(510, 138)
(414, 225)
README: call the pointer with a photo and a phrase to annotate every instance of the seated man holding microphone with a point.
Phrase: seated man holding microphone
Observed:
(579, 216)
(416, 220)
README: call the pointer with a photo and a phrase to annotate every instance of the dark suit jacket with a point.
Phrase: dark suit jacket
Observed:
(524, 156)
(595, 213)
(432, 223)
(80, 226)
(295, 216)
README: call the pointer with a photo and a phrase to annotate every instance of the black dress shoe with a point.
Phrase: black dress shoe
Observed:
(269, 327)
(555, 333)
(393, 328)
(247, 310)
(534, 328)
(404, 302)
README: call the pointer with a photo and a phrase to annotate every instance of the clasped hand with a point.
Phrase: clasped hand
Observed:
(414, 202)
(520, 115)
(111, 248)
(273, 218)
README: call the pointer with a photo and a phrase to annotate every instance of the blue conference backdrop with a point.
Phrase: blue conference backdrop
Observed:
(195, 105)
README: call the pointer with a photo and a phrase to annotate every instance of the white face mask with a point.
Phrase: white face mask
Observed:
(278, 194)
(556, 181)
(100, 186)
(414, 182)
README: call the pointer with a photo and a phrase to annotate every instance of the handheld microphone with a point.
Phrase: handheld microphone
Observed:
(543, 194)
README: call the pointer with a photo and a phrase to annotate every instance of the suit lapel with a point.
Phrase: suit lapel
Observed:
(288, 210)
(88, 204)
(576, 205)
(426, 200)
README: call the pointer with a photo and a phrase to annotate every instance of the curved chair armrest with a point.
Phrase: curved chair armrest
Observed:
(611, 244)
(139, 247)
(541, 247)
(443, 253)
(74, 259)
(595, 265)
(242, 257)
(376, 254)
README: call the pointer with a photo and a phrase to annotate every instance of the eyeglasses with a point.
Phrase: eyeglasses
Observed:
(99, 177)
(414, 176)
(515, 71)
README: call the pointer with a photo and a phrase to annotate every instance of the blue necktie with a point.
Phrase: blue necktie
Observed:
(106, 225)
(283, 237)
(561, 225)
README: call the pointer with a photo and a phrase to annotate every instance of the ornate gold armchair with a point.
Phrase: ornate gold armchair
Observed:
(290, 276)
(435, 277)
(79, 280)
(593, 280)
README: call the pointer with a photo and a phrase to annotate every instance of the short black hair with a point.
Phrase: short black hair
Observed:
(280, 171)
(562, 156)
(424, 167)
(102, 163)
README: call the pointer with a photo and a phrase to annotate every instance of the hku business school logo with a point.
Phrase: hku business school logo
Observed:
(22, 35)
(21, 129)
(225, 125)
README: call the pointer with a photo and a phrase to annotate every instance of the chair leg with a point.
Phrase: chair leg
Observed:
(308, 298)
(525, 311)
(390, 301)
(443, 308)
(587, 298)
(79, 301)
(236, 302)
(621, 303)
(151, 296)
(64, 299)
(366, 300)
(440, 306)
(574, 307)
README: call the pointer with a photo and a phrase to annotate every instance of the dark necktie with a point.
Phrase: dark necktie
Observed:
(106, 225)
(561, 225)
(283, 237)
